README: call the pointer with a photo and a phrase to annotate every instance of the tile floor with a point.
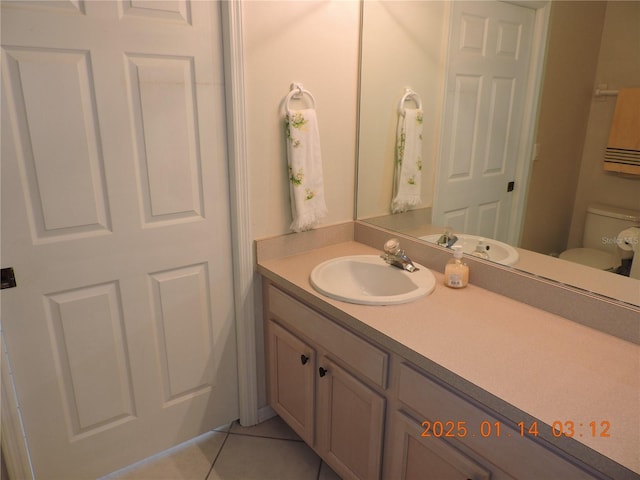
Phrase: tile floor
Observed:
(268, 451)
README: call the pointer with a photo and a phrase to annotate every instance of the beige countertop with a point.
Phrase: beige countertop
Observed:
(518, 360)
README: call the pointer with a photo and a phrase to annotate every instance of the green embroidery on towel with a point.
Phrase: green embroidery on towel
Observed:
(400, 149)
(297, 121)
(411, 180)
(419, 164)
(310, 194)
(419, 118)
(287, 130)
(297, 178)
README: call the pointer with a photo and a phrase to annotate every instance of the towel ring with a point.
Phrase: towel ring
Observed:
(409, 95)
(296, 93)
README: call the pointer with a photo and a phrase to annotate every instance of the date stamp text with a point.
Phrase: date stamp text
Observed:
(495, 429)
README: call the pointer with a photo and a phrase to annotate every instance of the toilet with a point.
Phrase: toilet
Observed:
(601, 227)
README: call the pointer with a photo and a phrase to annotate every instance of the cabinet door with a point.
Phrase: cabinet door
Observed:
(291, 367)
(414, 457)
(350, 423)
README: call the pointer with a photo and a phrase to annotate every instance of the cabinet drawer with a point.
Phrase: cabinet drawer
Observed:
(361, 357)
(520, 456)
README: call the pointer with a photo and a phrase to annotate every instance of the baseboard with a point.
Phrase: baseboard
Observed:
(265, 413)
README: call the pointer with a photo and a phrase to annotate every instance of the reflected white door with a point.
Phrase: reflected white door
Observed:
(487, 72)
(115, 217)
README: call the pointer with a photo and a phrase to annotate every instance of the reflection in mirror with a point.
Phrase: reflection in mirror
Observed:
(549, 128)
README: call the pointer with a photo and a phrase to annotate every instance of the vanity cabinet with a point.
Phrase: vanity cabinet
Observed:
(327, 384)
(363, 409)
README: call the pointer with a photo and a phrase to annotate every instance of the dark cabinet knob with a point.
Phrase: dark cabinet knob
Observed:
(322, 371)
(304, 359)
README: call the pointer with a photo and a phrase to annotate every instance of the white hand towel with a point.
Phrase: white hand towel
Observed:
(408, 171)
(305, 169)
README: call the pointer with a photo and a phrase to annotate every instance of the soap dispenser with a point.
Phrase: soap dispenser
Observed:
(456, 272)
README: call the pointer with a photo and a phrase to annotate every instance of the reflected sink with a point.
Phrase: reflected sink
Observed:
(499, 252)
(369, 280)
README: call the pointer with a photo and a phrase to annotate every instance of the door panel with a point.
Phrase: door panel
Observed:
(487, 74)
(115, 217)
(41, 83)
(96, 388)
(183, 346)
(166, 146)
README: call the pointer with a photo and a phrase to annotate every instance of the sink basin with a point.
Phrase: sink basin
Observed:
(499, 252)
(369, 280)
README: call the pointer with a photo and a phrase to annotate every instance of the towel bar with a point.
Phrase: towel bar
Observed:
(605, 93)
(409, 95)
(296, 92)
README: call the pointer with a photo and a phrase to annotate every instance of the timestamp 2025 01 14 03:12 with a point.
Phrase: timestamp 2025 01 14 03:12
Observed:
(487, 429)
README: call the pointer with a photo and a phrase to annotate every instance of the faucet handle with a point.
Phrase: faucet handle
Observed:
(392, 246)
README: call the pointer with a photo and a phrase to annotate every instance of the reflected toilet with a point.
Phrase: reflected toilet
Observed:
(599, 248)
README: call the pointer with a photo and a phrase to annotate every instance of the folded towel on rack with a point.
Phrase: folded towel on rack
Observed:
(408, 171)
(623, 148)
(306, 184)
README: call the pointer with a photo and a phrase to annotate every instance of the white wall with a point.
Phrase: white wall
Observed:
(567, 92)
(315, 43)
(590, 43)
(618, 67)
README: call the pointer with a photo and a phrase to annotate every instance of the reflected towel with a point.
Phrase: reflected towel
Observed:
(305, 169)
(623, 148)
(408, 171)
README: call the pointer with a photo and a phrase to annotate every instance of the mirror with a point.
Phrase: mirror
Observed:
(582, 46)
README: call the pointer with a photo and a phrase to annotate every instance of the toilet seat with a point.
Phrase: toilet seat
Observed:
(591, 257)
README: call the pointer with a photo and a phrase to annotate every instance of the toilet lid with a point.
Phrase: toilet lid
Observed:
(591, 257)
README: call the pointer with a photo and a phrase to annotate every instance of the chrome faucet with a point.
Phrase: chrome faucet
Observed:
(395, 256)
(447, 239)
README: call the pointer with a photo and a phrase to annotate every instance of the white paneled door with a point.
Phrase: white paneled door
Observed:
(490, 47)
(115, 218)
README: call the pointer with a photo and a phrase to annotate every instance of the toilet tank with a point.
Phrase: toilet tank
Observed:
(603, 223)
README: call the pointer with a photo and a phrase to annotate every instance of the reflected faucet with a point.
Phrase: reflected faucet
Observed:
(482, 250)
(395, 256)
(447, 239)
